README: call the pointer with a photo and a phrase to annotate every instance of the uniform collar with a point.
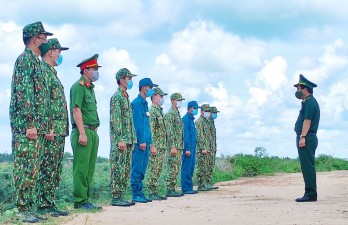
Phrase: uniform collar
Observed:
(125, 94)
(308, 97)
(84, 82)
(143, 100)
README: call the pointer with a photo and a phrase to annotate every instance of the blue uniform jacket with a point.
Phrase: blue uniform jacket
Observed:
(190, 133)
(141, 120)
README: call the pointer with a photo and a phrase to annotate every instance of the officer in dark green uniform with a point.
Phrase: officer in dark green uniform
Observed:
(84, 137)
(306, 136)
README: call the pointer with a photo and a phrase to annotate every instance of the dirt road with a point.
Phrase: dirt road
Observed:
(261, 200)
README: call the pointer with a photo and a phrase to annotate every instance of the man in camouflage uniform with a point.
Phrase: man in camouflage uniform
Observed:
(176, 144)
(122, 138)
(159, 144)
(53, 147)
(84, 137)
(203, 147)
(29, 118)
(212, 156)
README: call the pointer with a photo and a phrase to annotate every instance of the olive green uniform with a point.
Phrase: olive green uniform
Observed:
(82, 96)
(310, 111)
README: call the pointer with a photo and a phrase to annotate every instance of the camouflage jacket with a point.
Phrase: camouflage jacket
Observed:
(203, 134)
(175, 129)
(121, 119)
(212, 134)
(58, 105)
(158, 128)
(29, 90)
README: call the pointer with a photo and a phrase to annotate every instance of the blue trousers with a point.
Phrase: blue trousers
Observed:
(187, 169)
(140, 159)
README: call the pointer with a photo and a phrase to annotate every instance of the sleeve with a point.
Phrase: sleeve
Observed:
(138, 119)
(308, 110)
(77, 94)
(171, 136)
(115, 120)
(153, 126)
(187, 144)
(23, 81)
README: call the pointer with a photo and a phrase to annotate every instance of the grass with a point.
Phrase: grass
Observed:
(226, 168)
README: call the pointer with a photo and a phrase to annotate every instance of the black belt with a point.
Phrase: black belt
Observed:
(309, 132)
(94, 128)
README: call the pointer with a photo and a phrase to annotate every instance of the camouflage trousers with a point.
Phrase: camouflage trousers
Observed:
(173, 168)
(25, 168)
(50, 171)
(211, 166)
(202, 168)
(120, 164)
(154, 170)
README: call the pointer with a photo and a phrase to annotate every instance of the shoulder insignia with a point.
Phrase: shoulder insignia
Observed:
(82, 82)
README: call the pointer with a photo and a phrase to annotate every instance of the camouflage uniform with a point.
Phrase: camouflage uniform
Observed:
(53, 150)
(28, 109)
(121, 129)
(212, 155)
(203, 143)
(160, 142)
(176, 139)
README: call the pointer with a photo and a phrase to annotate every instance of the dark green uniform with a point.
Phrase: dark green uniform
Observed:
(212, 155)
(310, 111)
(82, 96)
(53, 150)
(28, 109)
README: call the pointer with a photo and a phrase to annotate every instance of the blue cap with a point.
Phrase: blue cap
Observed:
(193, 104)
(146, 82)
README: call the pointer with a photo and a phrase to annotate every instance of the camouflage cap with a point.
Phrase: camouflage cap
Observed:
(205, 107)
(158, 91)
(124, 72)
(304, 81)
(33, 29)
(176, 96)
(54, 44)
(213, 109)
(51, 44)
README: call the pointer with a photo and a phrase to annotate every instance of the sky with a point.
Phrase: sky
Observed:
(241, 56)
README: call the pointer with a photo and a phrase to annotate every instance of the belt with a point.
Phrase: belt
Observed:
(94, 128)
(309, 132)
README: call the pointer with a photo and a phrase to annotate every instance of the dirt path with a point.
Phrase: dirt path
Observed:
(261, 200)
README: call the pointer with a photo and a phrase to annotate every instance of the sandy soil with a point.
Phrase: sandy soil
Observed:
(262, 200)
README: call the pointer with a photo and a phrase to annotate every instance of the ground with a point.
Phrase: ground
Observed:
(261, 200)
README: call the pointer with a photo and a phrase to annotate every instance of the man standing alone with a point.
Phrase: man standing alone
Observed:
(306, 128)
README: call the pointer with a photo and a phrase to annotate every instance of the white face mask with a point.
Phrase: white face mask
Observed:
(161, 101)
(178, 104)
(206, 114)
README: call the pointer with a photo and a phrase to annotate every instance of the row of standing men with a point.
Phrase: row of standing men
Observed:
(140, 138)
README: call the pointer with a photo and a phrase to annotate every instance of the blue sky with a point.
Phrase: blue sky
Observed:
(241, 56)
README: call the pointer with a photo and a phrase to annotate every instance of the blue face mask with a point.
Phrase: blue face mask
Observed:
(214, 116)
(95, 76)
(129, 84)
(59, 60)
(150, 92)
(195, 112)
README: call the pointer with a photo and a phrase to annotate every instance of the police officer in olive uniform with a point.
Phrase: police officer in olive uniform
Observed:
(53, 147)
(306, 128)
(29, 118)
(84, 137)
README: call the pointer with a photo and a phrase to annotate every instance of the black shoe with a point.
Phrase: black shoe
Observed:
(120, 202)
(55, 210)
(28, 217)
(306, 199)
(87, 205)
(190, 192)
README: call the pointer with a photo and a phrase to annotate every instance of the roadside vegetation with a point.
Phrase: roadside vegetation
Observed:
(226, 168)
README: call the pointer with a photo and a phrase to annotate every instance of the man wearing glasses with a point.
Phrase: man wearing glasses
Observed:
(29, 118)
